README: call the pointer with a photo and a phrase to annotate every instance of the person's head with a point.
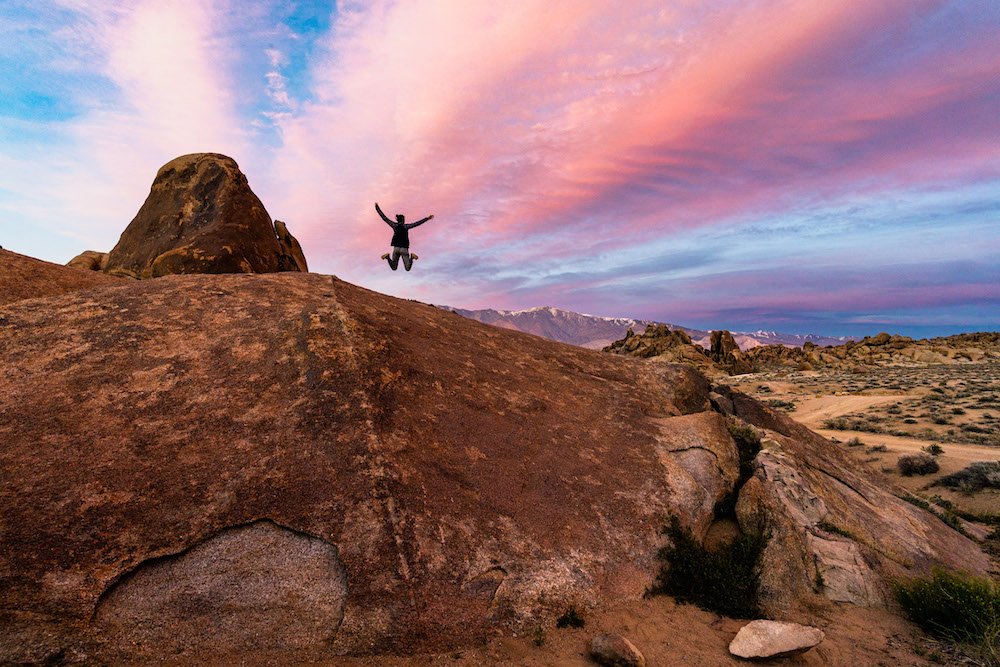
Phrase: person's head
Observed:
(400, 219)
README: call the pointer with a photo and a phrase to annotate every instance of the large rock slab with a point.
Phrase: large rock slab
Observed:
(467, 480)
(471, 479)
(202, 217)
(774, 639)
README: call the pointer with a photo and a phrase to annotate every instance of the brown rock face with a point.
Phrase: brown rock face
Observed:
(202, 217)
(291, 247)
(89, 260)
(199, 464)
(24, 277)
(725, 352)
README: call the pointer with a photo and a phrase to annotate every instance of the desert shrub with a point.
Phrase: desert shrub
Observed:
(954, 606)
(974, 477)
(894, 409)
(973, 428)
(877, 448)
(855, 442)
(780, 404)
(934, 450)
(916, 501)
(909, 420)
(834, 529)
(836, 423)
(917, 464)
(942, 502)
(570, 619)
(941, 419)
(958, 411)
(725, 581)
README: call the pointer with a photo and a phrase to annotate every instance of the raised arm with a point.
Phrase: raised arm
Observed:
(419, 222)
(387, 220)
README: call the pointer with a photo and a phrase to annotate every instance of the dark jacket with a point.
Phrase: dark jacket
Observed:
(400, 232)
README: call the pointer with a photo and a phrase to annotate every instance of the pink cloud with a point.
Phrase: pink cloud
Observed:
(620, 121)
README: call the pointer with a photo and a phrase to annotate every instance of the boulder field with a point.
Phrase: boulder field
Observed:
(287, 464)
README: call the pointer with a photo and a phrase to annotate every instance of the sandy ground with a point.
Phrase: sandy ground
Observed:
(814, 410)
(670, 634)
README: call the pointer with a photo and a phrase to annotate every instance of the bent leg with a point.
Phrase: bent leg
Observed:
(394, 259)
(407, 261)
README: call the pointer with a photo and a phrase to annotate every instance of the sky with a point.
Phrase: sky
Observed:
(816, 166)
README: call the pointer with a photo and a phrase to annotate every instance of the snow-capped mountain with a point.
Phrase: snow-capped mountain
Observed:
(596, 332)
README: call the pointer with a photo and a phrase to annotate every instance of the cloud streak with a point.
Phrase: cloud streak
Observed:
(574, 153)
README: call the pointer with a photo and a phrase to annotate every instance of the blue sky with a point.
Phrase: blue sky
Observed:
(807, 166)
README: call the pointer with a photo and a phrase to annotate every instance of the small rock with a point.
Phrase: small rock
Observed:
(89, 260)
(774, 639)
(615, 651)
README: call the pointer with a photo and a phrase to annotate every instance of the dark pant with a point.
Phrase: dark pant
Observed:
(396, 254)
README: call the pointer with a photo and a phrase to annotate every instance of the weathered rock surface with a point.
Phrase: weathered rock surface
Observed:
(222, 593)
(89, 260)
(202, 217)
(724, 351)
(666, 344)
(615, 651)
(163, 439)
(291, 246)
(24, 277)
(774, 639)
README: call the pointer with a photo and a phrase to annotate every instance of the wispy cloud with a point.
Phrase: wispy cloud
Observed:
(163, 93)
(581, 154)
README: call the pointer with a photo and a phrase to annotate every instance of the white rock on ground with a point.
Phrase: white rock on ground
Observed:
(773, 639)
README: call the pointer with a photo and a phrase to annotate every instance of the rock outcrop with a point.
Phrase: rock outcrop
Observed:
(725, 358)
(421, 480)
(666, 344)
(89, 260)
(23, 277)
(291, 246)
(724, 351)
(761, 640)
(202, 217)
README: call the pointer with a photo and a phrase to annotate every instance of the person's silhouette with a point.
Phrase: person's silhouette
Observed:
(400, 239)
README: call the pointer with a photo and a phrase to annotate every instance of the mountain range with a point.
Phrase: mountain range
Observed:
(596, 332)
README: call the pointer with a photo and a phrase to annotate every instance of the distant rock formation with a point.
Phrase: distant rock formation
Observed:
(89, 260)
(202, 217)
(725, 352)
(725, 357)
(666, 344)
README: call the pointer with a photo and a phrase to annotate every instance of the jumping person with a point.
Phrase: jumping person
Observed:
(400, 239)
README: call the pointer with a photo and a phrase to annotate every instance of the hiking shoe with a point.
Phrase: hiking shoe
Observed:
(385, 256)
(413, 257)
